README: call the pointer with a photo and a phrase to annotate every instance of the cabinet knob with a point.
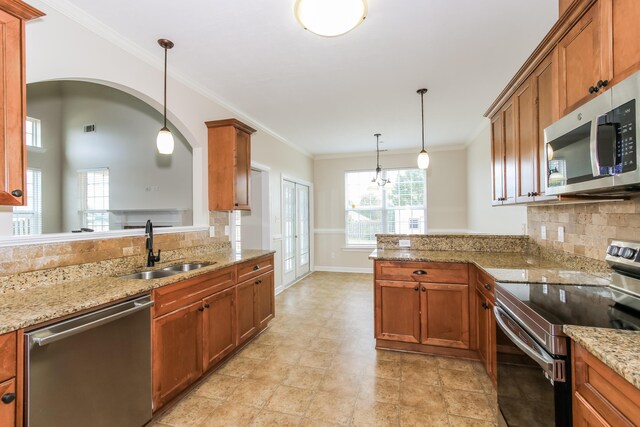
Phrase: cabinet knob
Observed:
(420, 272)
(602, 83)
(256, 267)
(487, 286)
(424, 289)
(8, 397)
(235, 204)
(200, 308)
(416, 288)
(17, 193)
(207, 306)
(594, 89)
(484, 305)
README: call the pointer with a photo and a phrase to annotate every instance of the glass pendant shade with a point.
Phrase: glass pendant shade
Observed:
(330, 18)
(423, 160)
(164, 141)
(549, 152)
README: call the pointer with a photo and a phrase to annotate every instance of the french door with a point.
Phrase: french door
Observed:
(295, 235)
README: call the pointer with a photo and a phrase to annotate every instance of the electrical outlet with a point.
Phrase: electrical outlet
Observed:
(543, 232)
(563, 296)
(405, 243)
(212, 231)
(560, 234)
(545, 289)
(226, 230)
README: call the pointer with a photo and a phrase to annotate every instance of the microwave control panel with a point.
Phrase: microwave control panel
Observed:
(625, 118)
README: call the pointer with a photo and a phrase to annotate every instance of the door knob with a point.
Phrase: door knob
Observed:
(424, 289)
(16, 193)
(8, 397)
(416, 288)
(200, 308)
(602, 83)
(594, 89)
(207, 306)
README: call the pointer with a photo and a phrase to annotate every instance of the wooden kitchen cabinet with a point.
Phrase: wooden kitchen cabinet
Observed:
(229, 164)
(444, 314)
(601, 397)
(397, 311)
(503, 154)
(246, 314)
(219, 327)
(13, 153)
(497, 159)
(486, 324)
(8, 409)
(623, 37)
(177, 352)
(265, 300)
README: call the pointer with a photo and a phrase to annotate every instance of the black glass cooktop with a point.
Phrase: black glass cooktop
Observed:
(575, 305)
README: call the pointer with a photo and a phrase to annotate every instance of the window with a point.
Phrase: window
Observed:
(27, 219)
(397, 208)
(33, 133)
(94, 198)
(236, 227)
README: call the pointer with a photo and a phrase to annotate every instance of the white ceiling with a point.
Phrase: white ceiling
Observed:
(330, 95)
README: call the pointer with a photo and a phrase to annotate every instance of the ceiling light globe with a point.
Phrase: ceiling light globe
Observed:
(330, 18)
(164, 142)
(423, 160)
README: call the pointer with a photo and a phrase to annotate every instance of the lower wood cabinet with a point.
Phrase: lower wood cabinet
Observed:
(601, 397)
(211, 317)
(397, 311)
(8, 409)
(444, 314)
(486, 333)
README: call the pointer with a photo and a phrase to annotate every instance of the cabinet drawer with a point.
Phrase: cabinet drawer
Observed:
(8, 410)
(434, 272)
(7, 356)
(253, 268)
(172, 297)
(485, 284)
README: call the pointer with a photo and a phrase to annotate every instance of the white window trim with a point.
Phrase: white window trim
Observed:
(37, 132)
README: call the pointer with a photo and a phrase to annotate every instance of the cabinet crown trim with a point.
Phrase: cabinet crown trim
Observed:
(229, 122)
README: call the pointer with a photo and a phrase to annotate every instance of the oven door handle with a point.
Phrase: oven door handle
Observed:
(546, 362)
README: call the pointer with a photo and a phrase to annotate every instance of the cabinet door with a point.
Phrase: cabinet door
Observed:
(265, 300)
(482, 328)
(177, 352)
(624, 37)
(497, 158)
(509, 117)
(219, 327)
(397, 311)
(242, 170)
(584, 59)
(527, 147)
(445, 314)
(584, 415)
(8, 410)
(246, 310)
(13, 153)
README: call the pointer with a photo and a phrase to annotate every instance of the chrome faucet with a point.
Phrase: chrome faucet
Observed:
(151, 258)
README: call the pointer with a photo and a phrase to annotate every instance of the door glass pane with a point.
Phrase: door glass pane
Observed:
(288, 225)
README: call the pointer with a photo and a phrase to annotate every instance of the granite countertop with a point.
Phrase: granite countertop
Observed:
(509, 267)
(24, 308)
(617, 349)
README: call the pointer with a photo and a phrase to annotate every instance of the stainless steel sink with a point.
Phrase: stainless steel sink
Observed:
(147, 275)
(187, 266)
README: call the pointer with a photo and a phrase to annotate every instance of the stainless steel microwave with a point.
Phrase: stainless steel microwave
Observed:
(594, 149)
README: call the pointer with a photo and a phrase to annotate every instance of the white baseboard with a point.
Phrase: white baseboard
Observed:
(368, 270)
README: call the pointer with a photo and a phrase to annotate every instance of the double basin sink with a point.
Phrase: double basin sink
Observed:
(167, 271)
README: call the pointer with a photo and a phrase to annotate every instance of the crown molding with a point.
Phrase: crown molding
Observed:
(432, 149)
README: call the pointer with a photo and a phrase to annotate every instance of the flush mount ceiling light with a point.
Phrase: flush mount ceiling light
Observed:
(164, 141)
(330, 18)
(423, 157)
(378, 178)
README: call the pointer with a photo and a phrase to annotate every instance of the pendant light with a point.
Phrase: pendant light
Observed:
(378, 178)
(330, 18)
(164, 141)
(423, 157)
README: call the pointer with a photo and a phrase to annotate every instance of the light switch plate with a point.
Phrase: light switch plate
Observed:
(560, 234)
(212, 231)
(543, 232)
(405, 243)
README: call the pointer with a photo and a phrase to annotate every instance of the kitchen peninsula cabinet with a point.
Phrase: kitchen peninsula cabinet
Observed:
(10, 403)
(423, 306)
(486, 324)
(201, 321)
(13, 153)
(229, 164)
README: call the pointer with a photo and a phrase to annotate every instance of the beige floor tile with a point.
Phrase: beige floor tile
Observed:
(240, 367)
(375, 414)
(290, 400)
(218, 386)
(416, 417)
(315, 359)
(461, 380)
(304, 377)
(324, 345)
(384, 369)
(331, 408)
(340, 383)
(469, 404)
(418, 373)
(456, 364)
(231, 414)
(424, 396)
(274, 372)
(307, 422)
(191, 411)
(380, 390)
(456, 421)
(258, 351)
(271, 419)
(253, 393)
(286, 355)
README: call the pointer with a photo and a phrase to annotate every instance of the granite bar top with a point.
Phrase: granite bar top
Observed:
(509, 267)
(28, 307)
(617, 349)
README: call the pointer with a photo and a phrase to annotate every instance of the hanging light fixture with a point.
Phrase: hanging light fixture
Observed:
(378, 178)
(164, 141)
(330, 18)
(423, 157)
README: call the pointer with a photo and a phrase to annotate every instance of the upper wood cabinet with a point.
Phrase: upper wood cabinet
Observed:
(229, 165)
(13, 154)
(623, 37)
(503, 154)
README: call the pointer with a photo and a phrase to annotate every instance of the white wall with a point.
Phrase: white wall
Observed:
(481, 216)
(446, 202)
(61, 48)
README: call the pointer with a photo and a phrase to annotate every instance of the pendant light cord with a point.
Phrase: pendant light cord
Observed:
(422, 104)
(165, 88)
(377, 152)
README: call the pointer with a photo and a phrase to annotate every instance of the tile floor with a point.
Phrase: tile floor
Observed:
(317, 366)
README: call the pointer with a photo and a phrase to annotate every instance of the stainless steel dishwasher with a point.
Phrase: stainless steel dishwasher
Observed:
(94, 369)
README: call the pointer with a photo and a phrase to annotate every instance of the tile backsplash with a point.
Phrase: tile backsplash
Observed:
(588, 228)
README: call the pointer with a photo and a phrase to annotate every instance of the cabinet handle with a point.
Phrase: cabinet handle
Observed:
(8, 398)
(256, 267)
(487, 286)
(594, 89)
(416, 288)
(419, 272)
(424, 289)
(207, 306)
(200, 308)
(603, 83)
(484, 305)
(235, 204)
(17, 193)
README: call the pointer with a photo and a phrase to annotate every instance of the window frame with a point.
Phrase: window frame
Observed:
(383, 209)
(36, 134)
(34, 211)
(83, 198)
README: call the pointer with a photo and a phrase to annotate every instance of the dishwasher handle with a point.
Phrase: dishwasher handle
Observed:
(137, 306)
